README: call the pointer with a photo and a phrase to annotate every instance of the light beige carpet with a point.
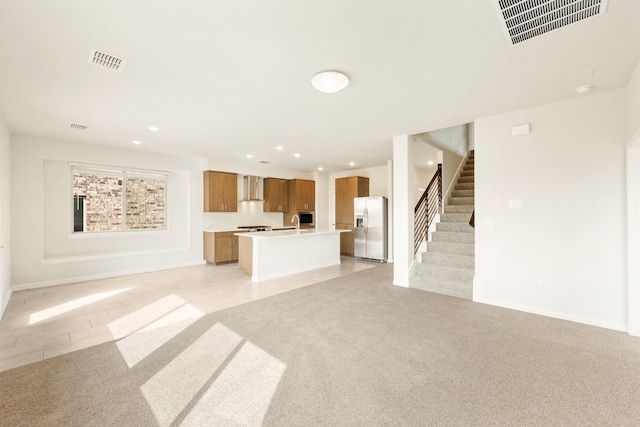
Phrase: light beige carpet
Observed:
(350, 351)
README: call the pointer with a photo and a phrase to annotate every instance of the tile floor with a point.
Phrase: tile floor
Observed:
(47, 322)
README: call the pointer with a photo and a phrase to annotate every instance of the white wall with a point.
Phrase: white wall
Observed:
(322, 214)
(633, 104)
(423, 177)
(44, 251)
(569, 236)
(5, 212)
(450, 166)
(633, 201)
(454, 139)
(403, 210)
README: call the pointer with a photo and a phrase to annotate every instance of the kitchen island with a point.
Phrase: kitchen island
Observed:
(269, 254)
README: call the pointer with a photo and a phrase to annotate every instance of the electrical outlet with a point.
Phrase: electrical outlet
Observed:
(537, 285)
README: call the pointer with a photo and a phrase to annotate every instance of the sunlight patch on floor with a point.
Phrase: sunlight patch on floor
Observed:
(242, 393)
(144, 316)
(177, 384)
(72, 305)
(137, 347)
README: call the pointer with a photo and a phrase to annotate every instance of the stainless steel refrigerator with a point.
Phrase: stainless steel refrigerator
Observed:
(370, 228)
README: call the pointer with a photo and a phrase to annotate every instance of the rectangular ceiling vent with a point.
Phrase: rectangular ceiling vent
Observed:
(524, 20)
(80, 127)
(106, 60)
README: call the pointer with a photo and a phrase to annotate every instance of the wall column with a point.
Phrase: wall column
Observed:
(633, 237)
(403, 204)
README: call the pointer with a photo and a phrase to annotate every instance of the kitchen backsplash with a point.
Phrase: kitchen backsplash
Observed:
(249, 213)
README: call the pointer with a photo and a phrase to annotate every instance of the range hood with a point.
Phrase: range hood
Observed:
(252, 188)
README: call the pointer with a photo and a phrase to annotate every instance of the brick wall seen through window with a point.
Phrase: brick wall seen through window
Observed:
(105, 201)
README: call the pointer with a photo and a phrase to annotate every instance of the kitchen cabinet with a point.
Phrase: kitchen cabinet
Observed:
(276, 195)
(302, 195)
(221, 247)
(220, 191)
(346, 190)
(346, 239)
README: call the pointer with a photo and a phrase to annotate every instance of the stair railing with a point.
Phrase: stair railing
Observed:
(426, 209)
(472, 221)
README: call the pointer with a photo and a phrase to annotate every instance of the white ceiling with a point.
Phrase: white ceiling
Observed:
(225, 79)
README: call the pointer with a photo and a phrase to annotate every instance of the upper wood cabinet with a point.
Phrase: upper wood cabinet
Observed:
(220, 192)
(276, 195)
(302, 195)
(346, 190)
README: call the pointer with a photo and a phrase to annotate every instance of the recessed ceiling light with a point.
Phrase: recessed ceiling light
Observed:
(352, 163)
(429, 163)
(137, 142)
(320, 168)
(296, 155)
(249, 156)
(584, 89)
(154, 128)
(330, 81)
(279, 148)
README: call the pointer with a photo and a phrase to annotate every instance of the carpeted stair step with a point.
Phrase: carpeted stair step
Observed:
(464, 275)
(459, 209)
(462, 200)
(462, 193)
(467, 173)
(455, 217)
(448, 260)
(452, 237)
(465, 179)
(465, 186)
(445, 287)
(451, 248)
(455, 227)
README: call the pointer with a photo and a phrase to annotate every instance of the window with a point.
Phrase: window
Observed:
(109, 199)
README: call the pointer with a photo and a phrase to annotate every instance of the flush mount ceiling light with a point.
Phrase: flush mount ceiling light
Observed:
(249, 156)
(154, 128)
(584, 89)
(279, 148)
(320, 168)
(137, 142)
(330, 81)
(352, 163)
(296, 155)
(429, 163)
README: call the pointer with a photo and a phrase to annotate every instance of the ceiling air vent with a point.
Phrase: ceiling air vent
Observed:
(106, 60)
(80, 127)
(524, 20)
(264, 162)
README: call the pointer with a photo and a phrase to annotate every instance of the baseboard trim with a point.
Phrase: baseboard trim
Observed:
(5, 302)
(35, 285)
(555, 314)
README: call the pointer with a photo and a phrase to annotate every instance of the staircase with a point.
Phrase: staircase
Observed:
(448, 266)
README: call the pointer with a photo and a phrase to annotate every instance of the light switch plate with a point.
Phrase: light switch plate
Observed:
(515, 205)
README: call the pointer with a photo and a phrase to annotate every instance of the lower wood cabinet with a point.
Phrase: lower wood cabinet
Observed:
(346, 239)
(220, 247)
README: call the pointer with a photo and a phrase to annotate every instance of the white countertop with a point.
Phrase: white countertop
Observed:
(237, 230)
(291, 233)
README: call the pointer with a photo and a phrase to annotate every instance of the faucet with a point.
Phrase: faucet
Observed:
(297, 224)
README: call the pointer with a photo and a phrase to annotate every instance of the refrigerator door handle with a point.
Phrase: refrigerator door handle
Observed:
(366, 220)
